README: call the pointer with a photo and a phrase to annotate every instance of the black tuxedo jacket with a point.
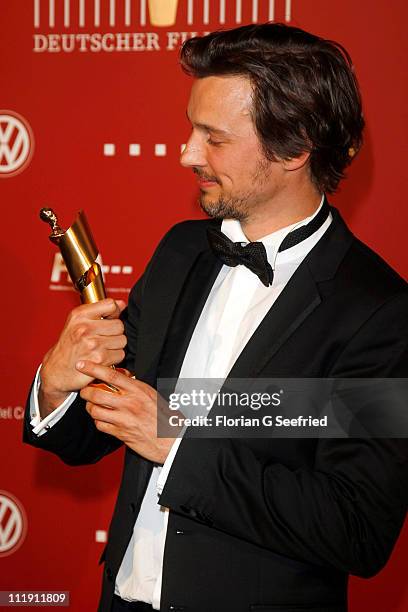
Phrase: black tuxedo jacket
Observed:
(258, 524)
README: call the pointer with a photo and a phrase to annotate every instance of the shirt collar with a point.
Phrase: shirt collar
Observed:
(233, 230)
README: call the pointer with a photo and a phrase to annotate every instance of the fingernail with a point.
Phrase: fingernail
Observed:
(79, 365)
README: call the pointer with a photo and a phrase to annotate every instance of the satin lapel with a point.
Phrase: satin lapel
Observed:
(297, 301)
(188, 309)
(173, 305)
(299, 298)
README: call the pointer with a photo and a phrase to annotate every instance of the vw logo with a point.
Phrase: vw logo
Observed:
(16, 143)
(13, 524)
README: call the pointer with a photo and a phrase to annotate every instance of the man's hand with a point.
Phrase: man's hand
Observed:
(92, 331)
(130, 415)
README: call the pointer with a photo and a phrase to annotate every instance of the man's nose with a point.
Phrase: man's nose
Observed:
(192, 154)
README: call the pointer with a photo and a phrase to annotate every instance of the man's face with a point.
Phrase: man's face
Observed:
(234, 176)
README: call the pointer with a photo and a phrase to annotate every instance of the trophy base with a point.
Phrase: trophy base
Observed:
(99, 384)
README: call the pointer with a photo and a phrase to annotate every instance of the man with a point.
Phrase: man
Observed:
(273, 285)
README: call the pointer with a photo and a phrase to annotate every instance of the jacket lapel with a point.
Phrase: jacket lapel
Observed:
(299, 298)
(173, 304)
(186, 313)
(297, 301)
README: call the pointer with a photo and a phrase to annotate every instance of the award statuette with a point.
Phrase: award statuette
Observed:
(79, 252)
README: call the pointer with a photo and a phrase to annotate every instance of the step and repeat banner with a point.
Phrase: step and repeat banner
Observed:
(92, 117)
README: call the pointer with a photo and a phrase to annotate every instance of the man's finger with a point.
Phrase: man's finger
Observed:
(102, 397)
(97, 396)
(106, 374)
(112, 343)
(119, 306)
(100, 413)
(106, 308)
(107, 428)
(106, 327)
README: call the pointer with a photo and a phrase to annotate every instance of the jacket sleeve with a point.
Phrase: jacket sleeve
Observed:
(74, 438)
(346, 511)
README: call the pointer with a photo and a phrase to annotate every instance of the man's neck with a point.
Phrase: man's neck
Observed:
(283, 211)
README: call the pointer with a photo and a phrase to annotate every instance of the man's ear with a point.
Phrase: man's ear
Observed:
(294, 163)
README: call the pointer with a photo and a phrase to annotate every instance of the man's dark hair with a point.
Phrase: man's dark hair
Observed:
(305, 93)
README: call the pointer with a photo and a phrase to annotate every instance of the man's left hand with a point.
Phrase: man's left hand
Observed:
(130, 415)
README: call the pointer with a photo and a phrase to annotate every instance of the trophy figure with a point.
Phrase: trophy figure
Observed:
(79, 253)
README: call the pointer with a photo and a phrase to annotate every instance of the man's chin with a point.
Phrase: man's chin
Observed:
(222, 209)
(212, 208)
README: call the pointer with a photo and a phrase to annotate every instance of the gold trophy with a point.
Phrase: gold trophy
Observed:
(79, 252)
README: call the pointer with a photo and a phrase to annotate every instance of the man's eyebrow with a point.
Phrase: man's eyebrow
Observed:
(209, 128)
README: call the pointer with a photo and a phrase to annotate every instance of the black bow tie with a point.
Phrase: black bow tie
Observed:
(253, 255)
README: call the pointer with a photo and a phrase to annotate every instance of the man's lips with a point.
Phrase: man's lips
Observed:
(206, 182)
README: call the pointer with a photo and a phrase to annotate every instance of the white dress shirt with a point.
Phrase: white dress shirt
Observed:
(236, 305)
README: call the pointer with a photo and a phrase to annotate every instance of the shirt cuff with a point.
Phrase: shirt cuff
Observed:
(161, 481)
(41, 426)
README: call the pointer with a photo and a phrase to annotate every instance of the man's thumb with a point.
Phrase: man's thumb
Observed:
(121, 304)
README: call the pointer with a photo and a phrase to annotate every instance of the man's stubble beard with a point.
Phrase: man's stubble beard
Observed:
(225, 208)
(238, 207)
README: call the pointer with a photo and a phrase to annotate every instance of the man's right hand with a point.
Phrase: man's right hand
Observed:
(92, 332)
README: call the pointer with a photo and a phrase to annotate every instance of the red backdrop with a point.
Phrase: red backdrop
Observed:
(89, 89)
